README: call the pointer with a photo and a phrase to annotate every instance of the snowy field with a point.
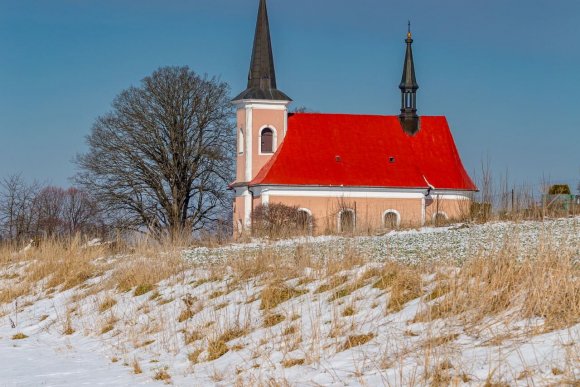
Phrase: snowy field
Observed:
(456, 242)
(210, 327)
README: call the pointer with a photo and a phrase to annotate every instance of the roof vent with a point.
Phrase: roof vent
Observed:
(338, 159)
(392, 159)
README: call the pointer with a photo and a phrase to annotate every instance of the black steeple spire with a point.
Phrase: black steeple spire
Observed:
(262, 76)
(408, 117)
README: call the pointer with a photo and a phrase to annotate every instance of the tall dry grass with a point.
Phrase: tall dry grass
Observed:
(57, 265)
(544, 285)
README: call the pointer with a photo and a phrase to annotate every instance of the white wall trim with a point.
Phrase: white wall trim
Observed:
(247, 208)
(265, 199)
(346, 194)
(391, 211)
(274, 140)
(285, 123)
(262, 104)
(350, 192)
(248, 129)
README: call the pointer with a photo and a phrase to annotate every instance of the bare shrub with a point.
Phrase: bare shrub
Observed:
(277, 221)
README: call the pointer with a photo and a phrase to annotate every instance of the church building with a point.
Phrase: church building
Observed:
(343, 171)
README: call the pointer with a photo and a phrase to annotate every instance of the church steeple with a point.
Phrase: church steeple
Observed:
(262, 75)
(408, 117)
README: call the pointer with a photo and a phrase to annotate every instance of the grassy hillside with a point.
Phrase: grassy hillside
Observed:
(492, 304)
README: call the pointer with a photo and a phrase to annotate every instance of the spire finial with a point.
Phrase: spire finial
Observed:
(409, 35)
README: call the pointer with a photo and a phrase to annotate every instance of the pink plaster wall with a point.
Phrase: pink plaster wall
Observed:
(260, 118)
(453, 208)
(369, 211)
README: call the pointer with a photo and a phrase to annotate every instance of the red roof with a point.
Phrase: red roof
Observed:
(365, 151)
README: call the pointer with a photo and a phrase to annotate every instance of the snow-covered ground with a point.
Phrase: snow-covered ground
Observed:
(79, 337)
(456, 242)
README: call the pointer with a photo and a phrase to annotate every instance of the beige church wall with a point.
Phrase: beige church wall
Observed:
(453, 209)
(261, 118)
(369, 212)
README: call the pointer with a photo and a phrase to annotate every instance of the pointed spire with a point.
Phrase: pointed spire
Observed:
(262, 75)
(408, 80)
(408, 117)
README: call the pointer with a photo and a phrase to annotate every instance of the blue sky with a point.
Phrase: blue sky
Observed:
(506, 75)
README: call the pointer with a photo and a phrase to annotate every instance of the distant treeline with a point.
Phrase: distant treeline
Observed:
(35, 210)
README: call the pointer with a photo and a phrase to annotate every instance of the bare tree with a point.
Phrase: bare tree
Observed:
(49, 203)
(79, 212)
(162, 157)
(18, 212)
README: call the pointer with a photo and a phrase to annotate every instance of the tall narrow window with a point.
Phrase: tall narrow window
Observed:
(241, 142)
(267, 141)
(391, 220)
(304, 221)
(440, 219)
(346, 221)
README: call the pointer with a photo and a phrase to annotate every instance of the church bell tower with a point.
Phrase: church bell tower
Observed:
(262, 119)
(409, 119)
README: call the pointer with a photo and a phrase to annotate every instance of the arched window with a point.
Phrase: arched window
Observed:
(440, 218)
(346, 221)
(241, 142)
(267, 140)
(305, 220)
(391, 219)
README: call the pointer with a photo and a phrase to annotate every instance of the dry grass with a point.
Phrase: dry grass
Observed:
(136, 367)
(357, 340)
(218, 347)
(292, 362)
(191, 337)
(273, 319)
(63, 264)
(107, 304)
(332, 283)
(193, 357)
(546, 285)
(162, 375)
(107, 328)
(185, 314)
(439, 340)
(19, 336)
(403, 281)
(277, 293)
